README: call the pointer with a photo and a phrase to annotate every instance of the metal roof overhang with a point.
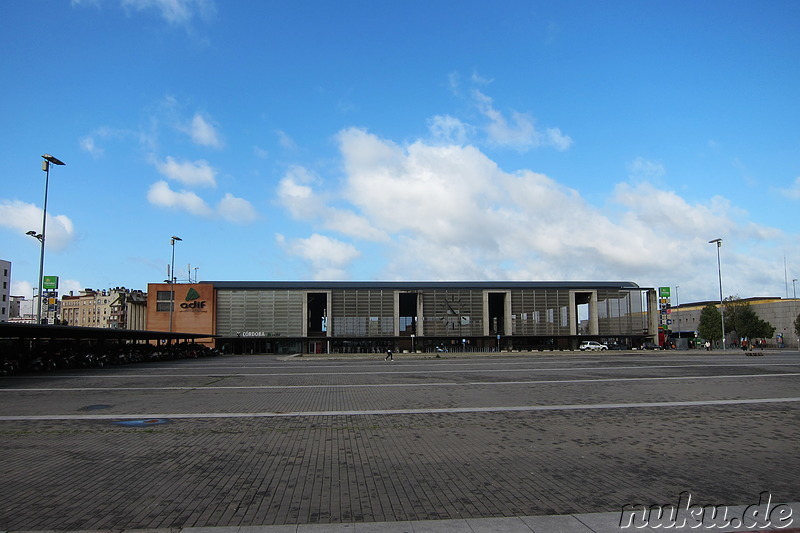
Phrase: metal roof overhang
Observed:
(418, 285)
(45, 331)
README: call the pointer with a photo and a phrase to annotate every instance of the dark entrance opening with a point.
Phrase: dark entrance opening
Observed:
(582, 300)
(408, 313)
(317, 304)
(497, 313)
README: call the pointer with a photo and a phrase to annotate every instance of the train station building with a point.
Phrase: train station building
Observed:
(357, 317)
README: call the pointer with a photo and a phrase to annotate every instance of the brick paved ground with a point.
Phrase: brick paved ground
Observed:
(76, 472)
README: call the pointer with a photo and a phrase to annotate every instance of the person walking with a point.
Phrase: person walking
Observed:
(389, 355)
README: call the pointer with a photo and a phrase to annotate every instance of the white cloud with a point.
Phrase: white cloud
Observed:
(88, 145)
(328, 257)
(286, 141)
(793, 191)
(521, 132)
(161, 195)
(176, 12)
(23, 288)
(70, 285)
(449, 212)
(202, 132)
(296, 193)
(23, 217)
(197, 173)
(642, 169)
(449, 130)
(236, 210)
(229, 208)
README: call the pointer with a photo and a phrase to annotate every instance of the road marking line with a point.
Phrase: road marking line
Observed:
(442, 410)
(380, 372)
(367, 385)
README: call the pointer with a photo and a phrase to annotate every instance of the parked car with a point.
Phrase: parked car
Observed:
(651, 346)
(618, 346)
(592, 346)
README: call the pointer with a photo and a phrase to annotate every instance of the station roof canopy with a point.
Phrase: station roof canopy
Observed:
(9, 330)
(419, 285)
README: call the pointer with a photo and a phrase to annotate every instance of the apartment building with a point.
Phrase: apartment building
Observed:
(5, 290)
(117, 308)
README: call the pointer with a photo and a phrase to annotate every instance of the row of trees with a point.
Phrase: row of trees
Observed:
(739, 318)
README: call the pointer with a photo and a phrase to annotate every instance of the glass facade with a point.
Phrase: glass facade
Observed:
(452, 313)
(362, 313)
(534, 314)
(260, 313)
(540, 313)
(621, 313)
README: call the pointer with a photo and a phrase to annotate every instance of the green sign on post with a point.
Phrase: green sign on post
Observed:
(663, 292)
(50, 282)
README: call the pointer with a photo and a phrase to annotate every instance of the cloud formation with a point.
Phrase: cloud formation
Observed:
(176, 12)
(297, 194)
(230, 208)
(202, 132)
(520, 132)
(191, 173)
(329, 257)
(236, 210)
(23, 217)
(793, 191)
(448, 212)
(161, 195)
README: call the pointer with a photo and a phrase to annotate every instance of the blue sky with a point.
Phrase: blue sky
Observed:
(411, 140)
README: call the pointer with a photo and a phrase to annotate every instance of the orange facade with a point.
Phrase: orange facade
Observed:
(193, 310)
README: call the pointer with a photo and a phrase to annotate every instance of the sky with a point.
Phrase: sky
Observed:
(403, 140)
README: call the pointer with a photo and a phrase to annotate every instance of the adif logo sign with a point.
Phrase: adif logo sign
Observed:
(193, 300)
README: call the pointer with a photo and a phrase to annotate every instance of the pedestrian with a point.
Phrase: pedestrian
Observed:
(389, 355)
(708, 346)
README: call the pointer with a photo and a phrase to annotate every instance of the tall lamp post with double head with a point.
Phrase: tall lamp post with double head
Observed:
(173, 240)
(48, 160)
(718, 242)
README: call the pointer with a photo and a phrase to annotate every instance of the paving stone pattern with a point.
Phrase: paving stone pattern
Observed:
(83, 474)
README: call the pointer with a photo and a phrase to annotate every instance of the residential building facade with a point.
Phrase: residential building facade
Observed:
(117, 308)
(5, 290)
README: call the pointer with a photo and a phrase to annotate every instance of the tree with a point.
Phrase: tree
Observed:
(710, 325)
(797, 325)
(741, 318)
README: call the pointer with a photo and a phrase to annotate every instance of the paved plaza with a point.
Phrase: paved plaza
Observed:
(359, 444)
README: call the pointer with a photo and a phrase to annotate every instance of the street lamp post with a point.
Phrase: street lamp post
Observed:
(48, 160)
(677, 305)
(172, 281)
(794, 295)
(719, 271)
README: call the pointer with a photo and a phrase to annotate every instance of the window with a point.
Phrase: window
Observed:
(164, 301)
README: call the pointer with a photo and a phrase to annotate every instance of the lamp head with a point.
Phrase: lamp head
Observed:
(53, 159)
(174, 238)
(718, 241)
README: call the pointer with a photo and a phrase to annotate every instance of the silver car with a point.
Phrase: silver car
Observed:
(592, 345)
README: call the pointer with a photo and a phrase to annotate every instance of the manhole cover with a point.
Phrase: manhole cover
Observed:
(141, 423)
